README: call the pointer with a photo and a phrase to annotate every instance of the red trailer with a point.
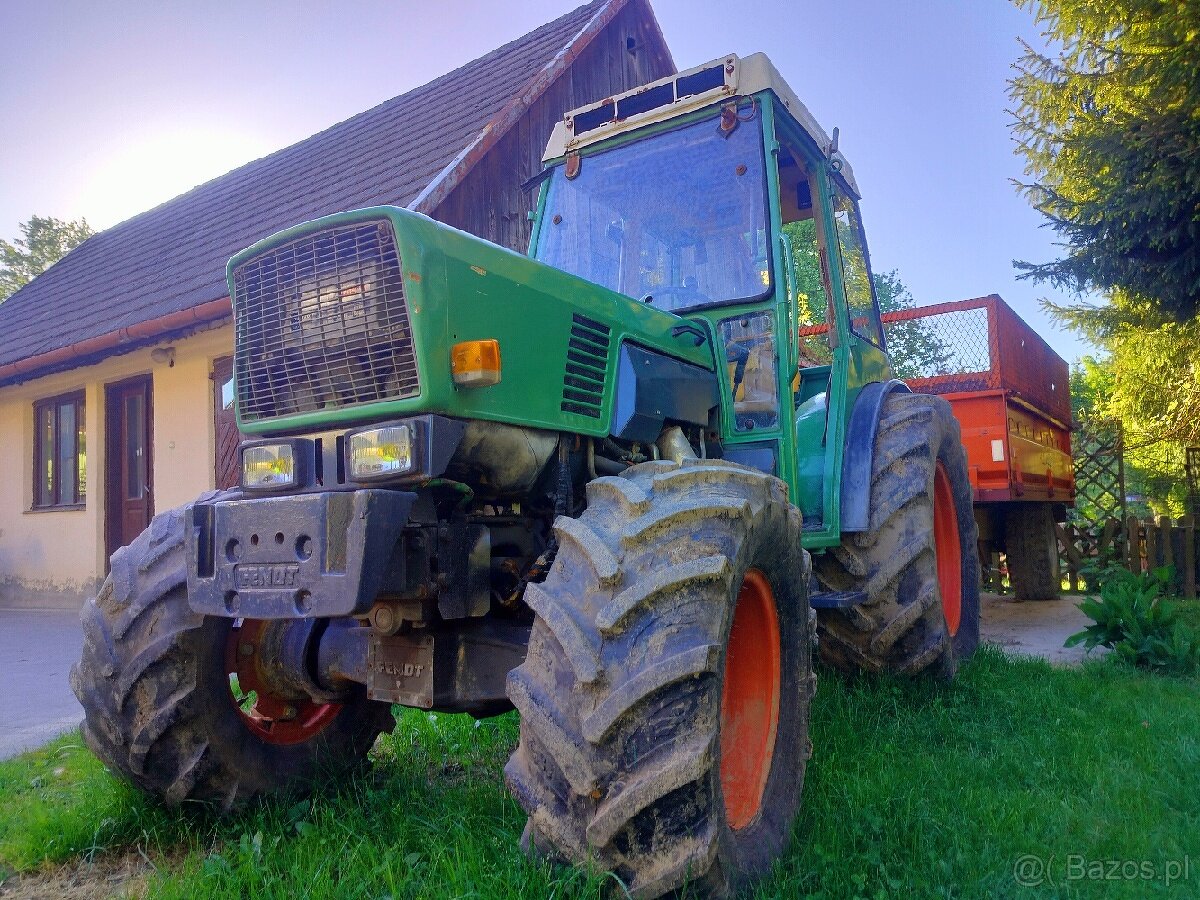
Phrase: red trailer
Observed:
(1011, 394)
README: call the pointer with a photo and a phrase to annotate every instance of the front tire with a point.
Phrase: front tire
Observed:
(155, 687)
(664, 700)
(919, 561)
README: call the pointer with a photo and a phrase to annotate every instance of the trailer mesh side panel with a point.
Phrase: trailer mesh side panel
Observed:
(977, 345)
(952, 343)
(322, 324)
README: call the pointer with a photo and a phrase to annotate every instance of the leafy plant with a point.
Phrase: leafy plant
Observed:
(1135, 618)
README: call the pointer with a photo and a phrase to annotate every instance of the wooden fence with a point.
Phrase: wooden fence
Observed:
(1138, 544)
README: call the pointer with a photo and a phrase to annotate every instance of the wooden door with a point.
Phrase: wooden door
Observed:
(129, 495)
(225, 432)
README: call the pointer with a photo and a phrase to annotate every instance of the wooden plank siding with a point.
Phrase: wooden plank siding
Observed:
(489, 201)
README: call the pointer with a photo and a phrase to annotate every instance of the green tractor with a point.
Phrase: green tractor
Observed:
(625, 484)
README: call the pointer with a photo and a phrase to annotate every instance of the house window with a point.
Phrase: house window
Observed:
(60, 452)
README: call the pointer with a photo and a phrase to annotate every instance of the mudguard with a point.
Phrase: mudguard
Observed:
(859, 452)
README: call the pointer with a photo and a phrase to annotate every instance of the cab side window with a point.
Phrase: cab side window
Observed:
(856, 271)
(800, 229)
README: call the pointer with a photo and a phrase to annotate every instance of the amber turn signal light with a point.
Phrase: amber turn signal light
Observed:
(475, 363)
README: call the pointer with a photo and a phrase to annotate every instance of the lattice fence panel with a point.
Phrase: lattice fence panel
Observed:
(1099, 452)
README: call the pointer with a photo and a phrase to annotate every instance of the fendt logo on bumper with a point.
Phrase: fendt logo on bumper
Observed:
(266, 576)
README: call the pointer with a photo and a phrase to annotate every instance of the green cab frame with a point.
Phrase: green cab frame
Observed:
(810, 445)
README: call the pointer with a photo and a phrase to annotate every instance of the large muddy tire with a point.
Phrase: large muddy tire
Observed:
(919, 561)
(664, 701)
(1032, 550)
(155, 687)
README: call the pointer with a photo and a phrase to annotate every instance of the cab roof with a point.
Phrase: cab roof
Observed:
(705, 85)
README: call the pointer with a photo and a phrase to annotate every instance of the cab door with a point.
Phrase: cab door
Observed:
(838, 333)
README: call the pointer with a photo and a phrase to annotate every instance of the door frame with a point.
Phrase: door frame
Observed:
(114, 453)
(218, 366)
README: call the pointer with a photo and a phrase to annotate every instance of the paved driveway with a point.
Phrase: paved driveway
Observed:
(1035, 628)
(37, 650)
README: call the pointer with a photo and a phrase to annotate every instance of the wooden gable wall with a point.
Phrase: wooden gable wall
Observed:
(489, 202)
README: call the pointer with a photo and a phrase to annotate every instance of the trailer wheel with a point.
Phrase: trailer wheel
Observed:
(1032, 551)
(664, 701)
(918, 563)
(154, 681)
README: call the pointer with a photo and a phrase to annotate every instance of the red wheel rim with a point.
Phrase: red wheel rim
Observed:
(749, 700)
(271, 718)
(948, 549)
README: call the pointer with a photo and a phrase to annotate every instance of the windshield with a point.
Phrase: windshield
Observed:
(679, 216)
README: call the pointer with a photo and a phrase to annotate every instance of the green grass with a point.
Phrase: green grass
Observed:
(914, 790)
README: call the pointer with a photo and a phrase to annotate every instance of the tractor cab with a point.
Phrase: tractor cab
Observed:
(714, 195)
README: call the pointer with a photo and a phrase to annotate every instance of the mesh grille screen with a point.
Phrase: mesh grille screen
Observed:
(953, 343)
(322, 324)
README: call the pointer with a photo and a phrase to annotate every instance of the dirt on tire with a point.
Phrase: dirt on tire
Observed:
(903, 629)
(621, 695)
(156, 696)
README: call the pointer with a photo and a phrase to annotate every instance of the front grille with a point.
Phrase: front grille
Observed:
(322, 324)
(587, 362)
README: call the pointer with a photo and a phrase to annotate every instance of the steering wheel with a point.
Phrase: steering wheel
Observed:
(678, 297)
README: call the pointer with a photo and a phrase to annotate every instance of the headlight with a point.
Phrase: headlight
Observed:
(381, 453)
(270, 466)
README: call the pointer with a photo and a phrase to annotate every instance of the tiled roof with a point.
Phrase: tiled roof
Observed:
(172, 258)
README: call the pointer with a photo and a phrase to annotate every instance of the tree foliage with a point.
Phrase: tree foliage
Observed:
(1091, 388)
(914, 347)
(45, 241)
(1149, 379)
(1109, 128)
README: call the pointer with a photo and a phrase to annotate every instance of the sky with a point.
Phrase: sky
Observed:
(109, 107)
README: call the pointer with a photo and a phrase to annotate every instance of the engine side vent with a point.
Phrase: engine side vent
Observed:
(587, 365)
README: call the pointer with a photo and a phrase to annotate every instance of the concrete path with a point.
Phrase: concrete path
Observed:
(37, 649)
(1035, 628)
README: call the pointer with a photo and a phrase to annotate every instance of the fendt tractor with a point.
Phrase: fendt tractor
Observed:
(585, 483)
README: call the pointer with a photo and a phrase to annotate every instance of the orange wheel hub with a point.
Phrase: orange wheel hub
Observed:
(750, 700)
(270, 717)
(949, 550)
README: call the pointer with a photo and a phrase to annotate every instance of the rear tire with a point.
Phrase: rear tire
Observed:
(154, 683)
(675, 607)
(1032, 551)
(919, 561)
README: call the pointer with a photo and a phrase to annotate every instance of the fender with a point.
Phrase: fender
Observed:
(859, 452)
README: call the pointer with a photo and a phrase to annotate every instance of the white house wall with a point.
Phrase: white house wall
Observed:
(56, 557)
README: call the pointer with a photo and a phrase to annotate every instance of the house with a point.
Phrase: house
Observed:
(115, 364)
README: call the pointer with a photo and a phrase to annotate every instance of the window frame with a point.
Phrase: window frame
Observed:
(56, 501)
(841, 188)
(556, 172)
